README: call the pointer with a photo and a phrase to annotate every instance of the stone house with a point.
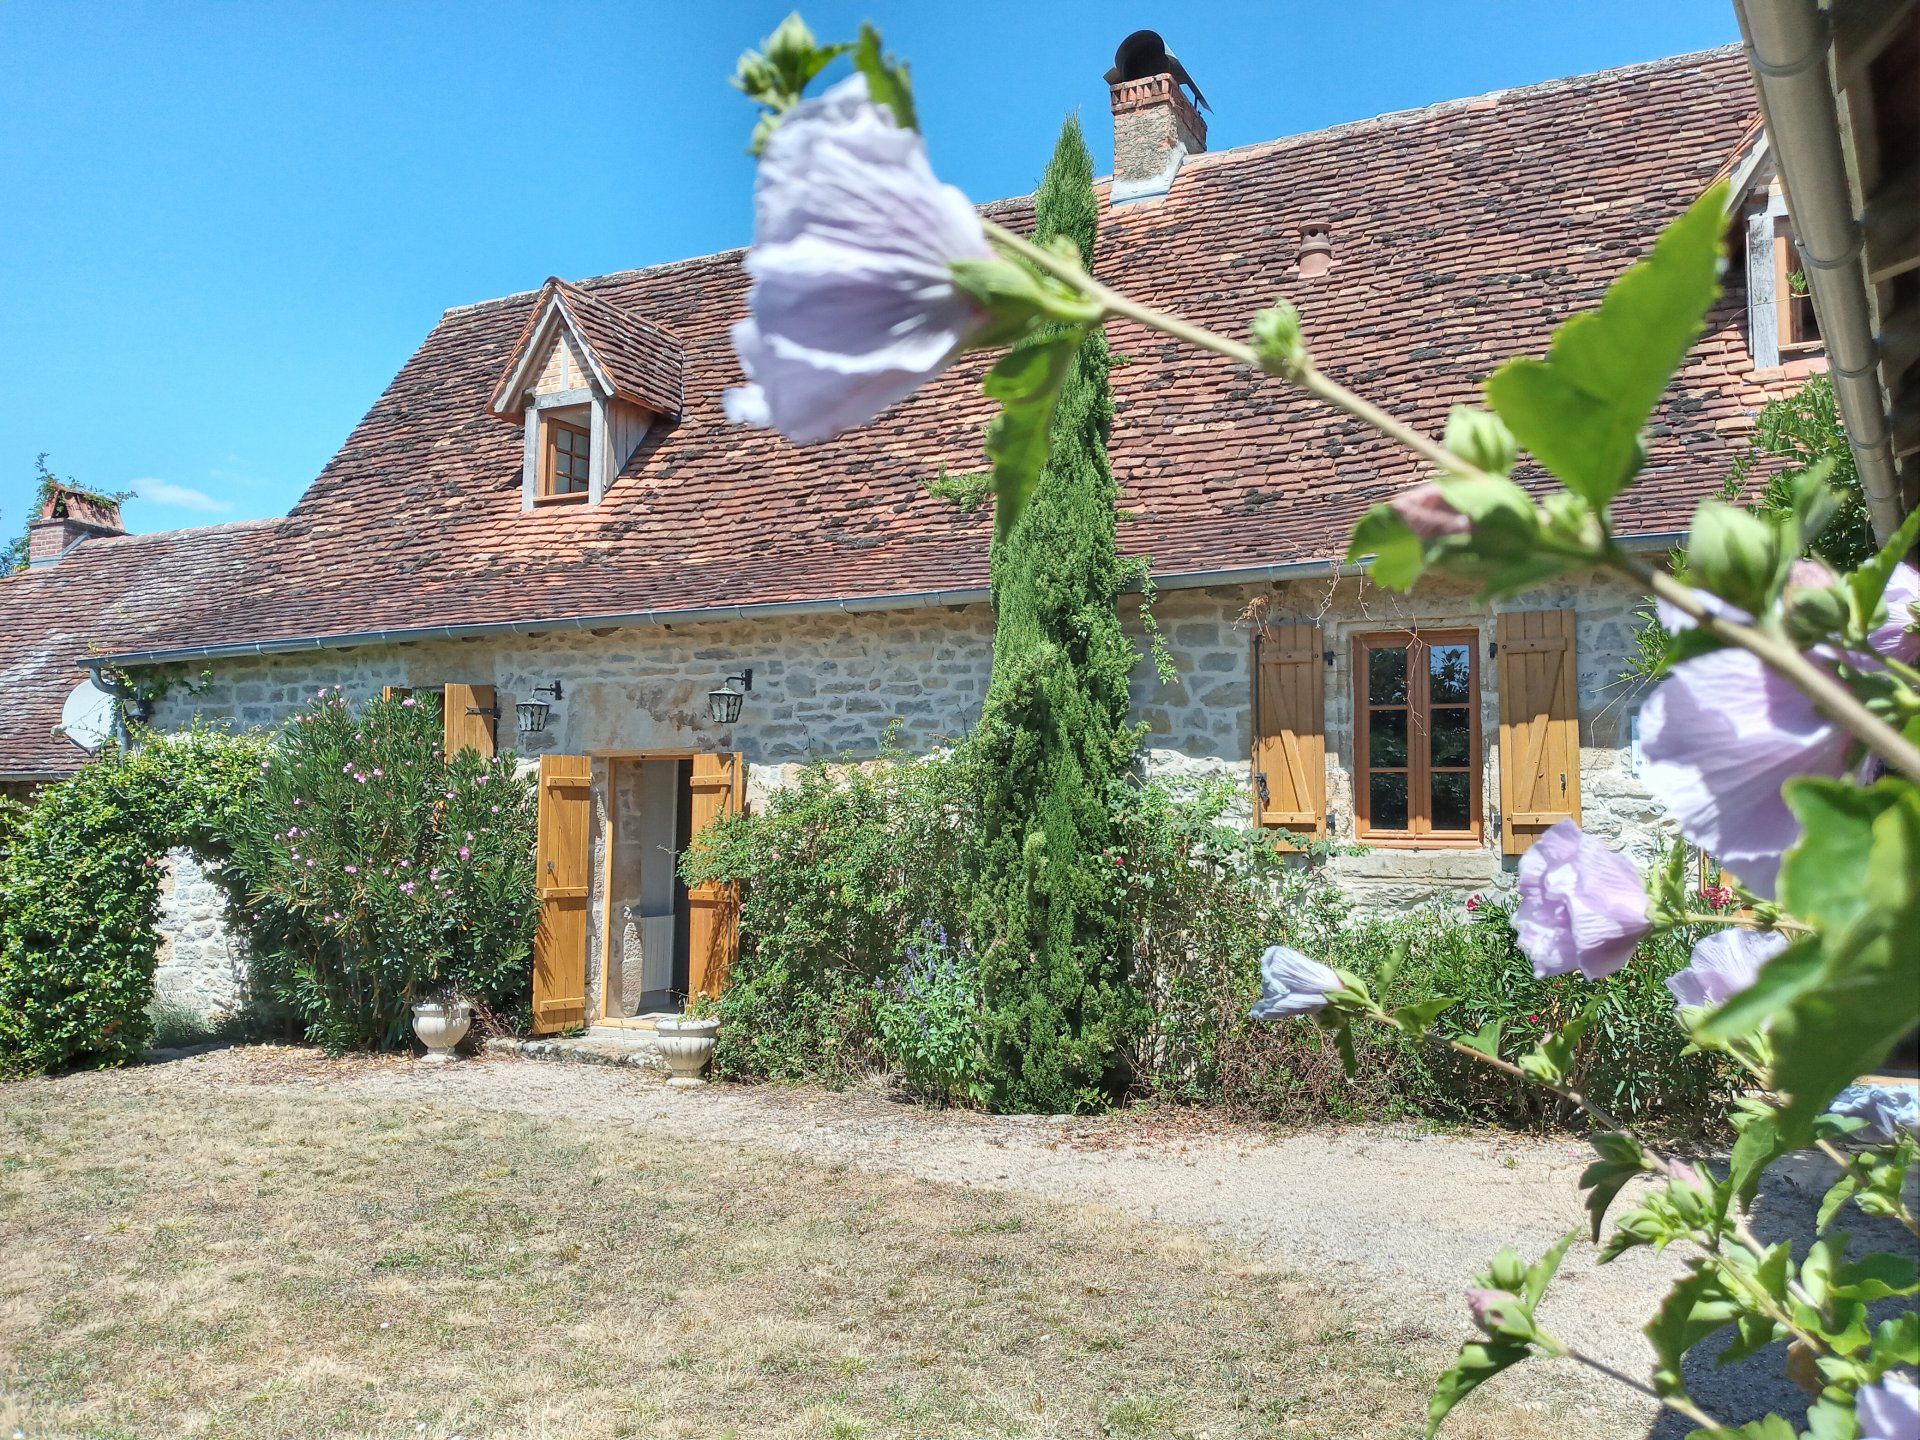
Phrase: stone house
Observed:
(546, 517)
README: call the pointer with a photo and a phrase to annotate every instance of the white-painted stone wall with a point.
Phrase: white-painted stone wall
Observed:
(833, 687)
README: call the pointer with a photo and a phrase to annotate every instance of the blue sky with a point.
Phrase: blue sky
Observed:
(223, 227)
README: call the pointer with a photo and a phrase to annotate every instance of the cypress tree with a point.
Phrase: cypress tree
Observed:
(1054, 743)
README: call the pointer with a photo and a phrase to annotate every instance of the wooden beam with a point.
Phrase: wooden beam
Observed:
(1899, 343)
(1861, 30)
(1892, 225)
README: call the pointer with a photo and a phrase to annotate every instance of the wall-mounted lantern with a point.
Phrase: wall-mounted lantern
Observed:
(532, 714)
(724, 703)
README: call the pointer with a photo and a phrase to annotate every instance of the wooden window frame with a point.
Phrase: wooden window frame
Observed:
(1419, 833)
(550, 425)
(1785, 263)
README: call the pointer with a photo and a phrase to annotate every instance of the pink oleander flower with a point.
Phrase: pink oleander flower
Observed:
(1722, 965)
(1718, 897)
(1291, 984)
(464, 853)
(853, 305)
(1888, 1410)
(1719, 737)
(352, 869)
(1582, 906)
(1894, 639)
(1473, 903)
(1427, 513)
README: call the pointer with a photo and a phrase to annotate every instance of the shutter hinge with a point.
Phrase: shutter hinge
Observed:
(1327, 655)
(1260, 786)
(1493, 648)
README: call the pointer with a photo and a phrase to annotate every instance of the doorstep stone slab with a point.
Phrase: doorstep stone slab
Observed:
(635, 1049)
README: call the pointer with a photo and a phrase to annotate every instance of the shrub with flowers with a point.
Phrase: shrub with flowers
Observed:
(374, 871)
(1783, 738)
(928, 1016)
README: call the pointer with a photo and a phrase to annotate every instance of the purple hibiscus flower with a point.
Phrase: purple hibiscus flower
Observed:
(1291, 984)
(1889, 1410)
(1720, 736)
(1582, 906)
(1894, 639)
(1722, 965)
(853, 305)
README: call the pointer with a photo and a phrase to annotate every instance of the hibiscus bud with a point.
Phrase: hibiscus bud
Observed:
(1481, 439)
(1427, 513)
(1277, 340)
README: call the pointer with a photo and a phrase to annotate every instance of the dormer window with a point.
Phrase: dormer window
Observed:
(585, 381)
(566, 470)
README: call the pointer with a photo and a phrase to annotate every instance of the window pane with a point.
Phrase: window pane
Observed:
(1387, 677)
(1451, 800)
(1387, 802)
(1449, 668)
(1452, 732)
(1387, 739)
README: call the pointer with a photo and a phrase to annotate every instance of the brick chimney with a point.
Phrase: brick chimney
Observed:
(68, 517)
(1155, 127)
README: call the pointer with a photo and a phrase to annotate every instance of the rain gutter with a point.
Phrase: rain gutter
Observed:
(1789, 44)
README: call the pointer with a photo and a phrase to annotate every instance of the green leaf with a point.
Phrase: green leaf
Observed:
(1822, 877)
(1478, 1362)
(1550, 1060)
(1621, 1158)
(1867, 994)
(1841, 1191)
(1698, 1305)
(1896, 1342)
(1542, 1271)
(1027, 383)
(1485, 1040)
(1735, 554)
(1580, 411)
(1867, 584)
(1396, 556)
(1757, 1147)
(1415, 1019)
(887, 82)
(1875, 1277)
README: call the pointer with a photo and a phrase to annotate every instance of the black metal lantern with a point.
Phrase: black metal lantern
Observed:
(531, 715)
(724, 704)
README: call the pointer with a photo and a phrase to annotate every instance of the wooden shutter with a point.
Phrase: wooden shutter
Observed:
(718, 784)
(1289, 741)
(560, 870)
(1539, 725)
(463, 729)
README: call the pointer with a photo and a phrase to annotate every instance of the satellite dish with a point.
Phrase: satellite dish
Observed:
(89, 716)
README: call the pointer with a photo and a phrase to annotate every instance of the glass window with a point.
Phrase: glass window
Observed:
(567, 466)
(1417, 736)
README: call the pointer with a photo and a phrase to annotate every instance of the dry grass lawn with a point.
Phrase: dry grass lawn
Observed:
(178, 1258)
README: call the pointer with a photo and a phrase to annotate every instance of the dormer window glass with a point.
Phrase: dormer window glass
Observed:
(566, 467)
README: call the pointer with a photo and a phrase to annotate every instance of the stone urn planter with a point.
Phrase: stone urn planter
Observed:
(686, 1043)
(440, 1026)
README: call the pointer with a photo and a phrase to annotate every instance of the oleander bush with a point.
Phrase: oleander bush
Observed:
(371, 871)
(79, 893)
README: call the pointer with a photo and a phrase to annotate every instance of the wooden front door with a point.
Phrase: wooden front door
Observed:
(718, 786)
(560, 882)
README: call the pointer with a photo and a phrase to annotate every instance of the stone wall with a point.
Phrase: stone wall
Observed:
(202, 966)
(836, 687)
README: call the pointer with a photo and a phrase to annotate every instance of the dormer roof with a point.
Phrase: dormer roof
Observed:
(625, 357)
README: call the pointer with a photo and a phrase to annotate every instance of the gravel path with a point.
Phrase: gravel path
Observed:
(1397, 1216)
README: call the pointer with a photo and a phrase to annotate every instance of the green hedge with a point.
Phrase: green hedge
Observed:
(79, 894)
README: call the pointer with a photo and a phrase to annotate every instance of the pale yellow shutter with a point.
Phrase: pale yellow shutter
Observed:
(560, 883)
(1289, 741)
(718, 785)
(1539, 725)
(466, 718)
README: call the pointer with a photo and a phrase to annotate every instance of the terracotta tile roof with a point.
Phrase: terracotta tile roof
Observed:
(639, 362)
(103, 594)
(1461, 235)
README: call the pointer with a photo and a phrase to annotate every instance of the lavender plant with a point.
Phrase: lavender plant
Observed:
(1784, 736)
(928, 1017)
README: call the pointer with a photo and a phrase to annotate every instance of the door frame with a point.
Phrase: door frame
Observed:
(611, 760)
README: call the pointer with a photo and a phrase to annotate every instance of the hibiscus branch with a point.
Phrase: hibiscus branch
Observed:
(1679, 1404)
(1746, 922)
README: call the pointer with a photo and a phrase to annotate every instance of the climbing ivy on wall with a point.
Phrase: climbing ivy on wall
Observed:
(79, 894)
(1054, 738)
